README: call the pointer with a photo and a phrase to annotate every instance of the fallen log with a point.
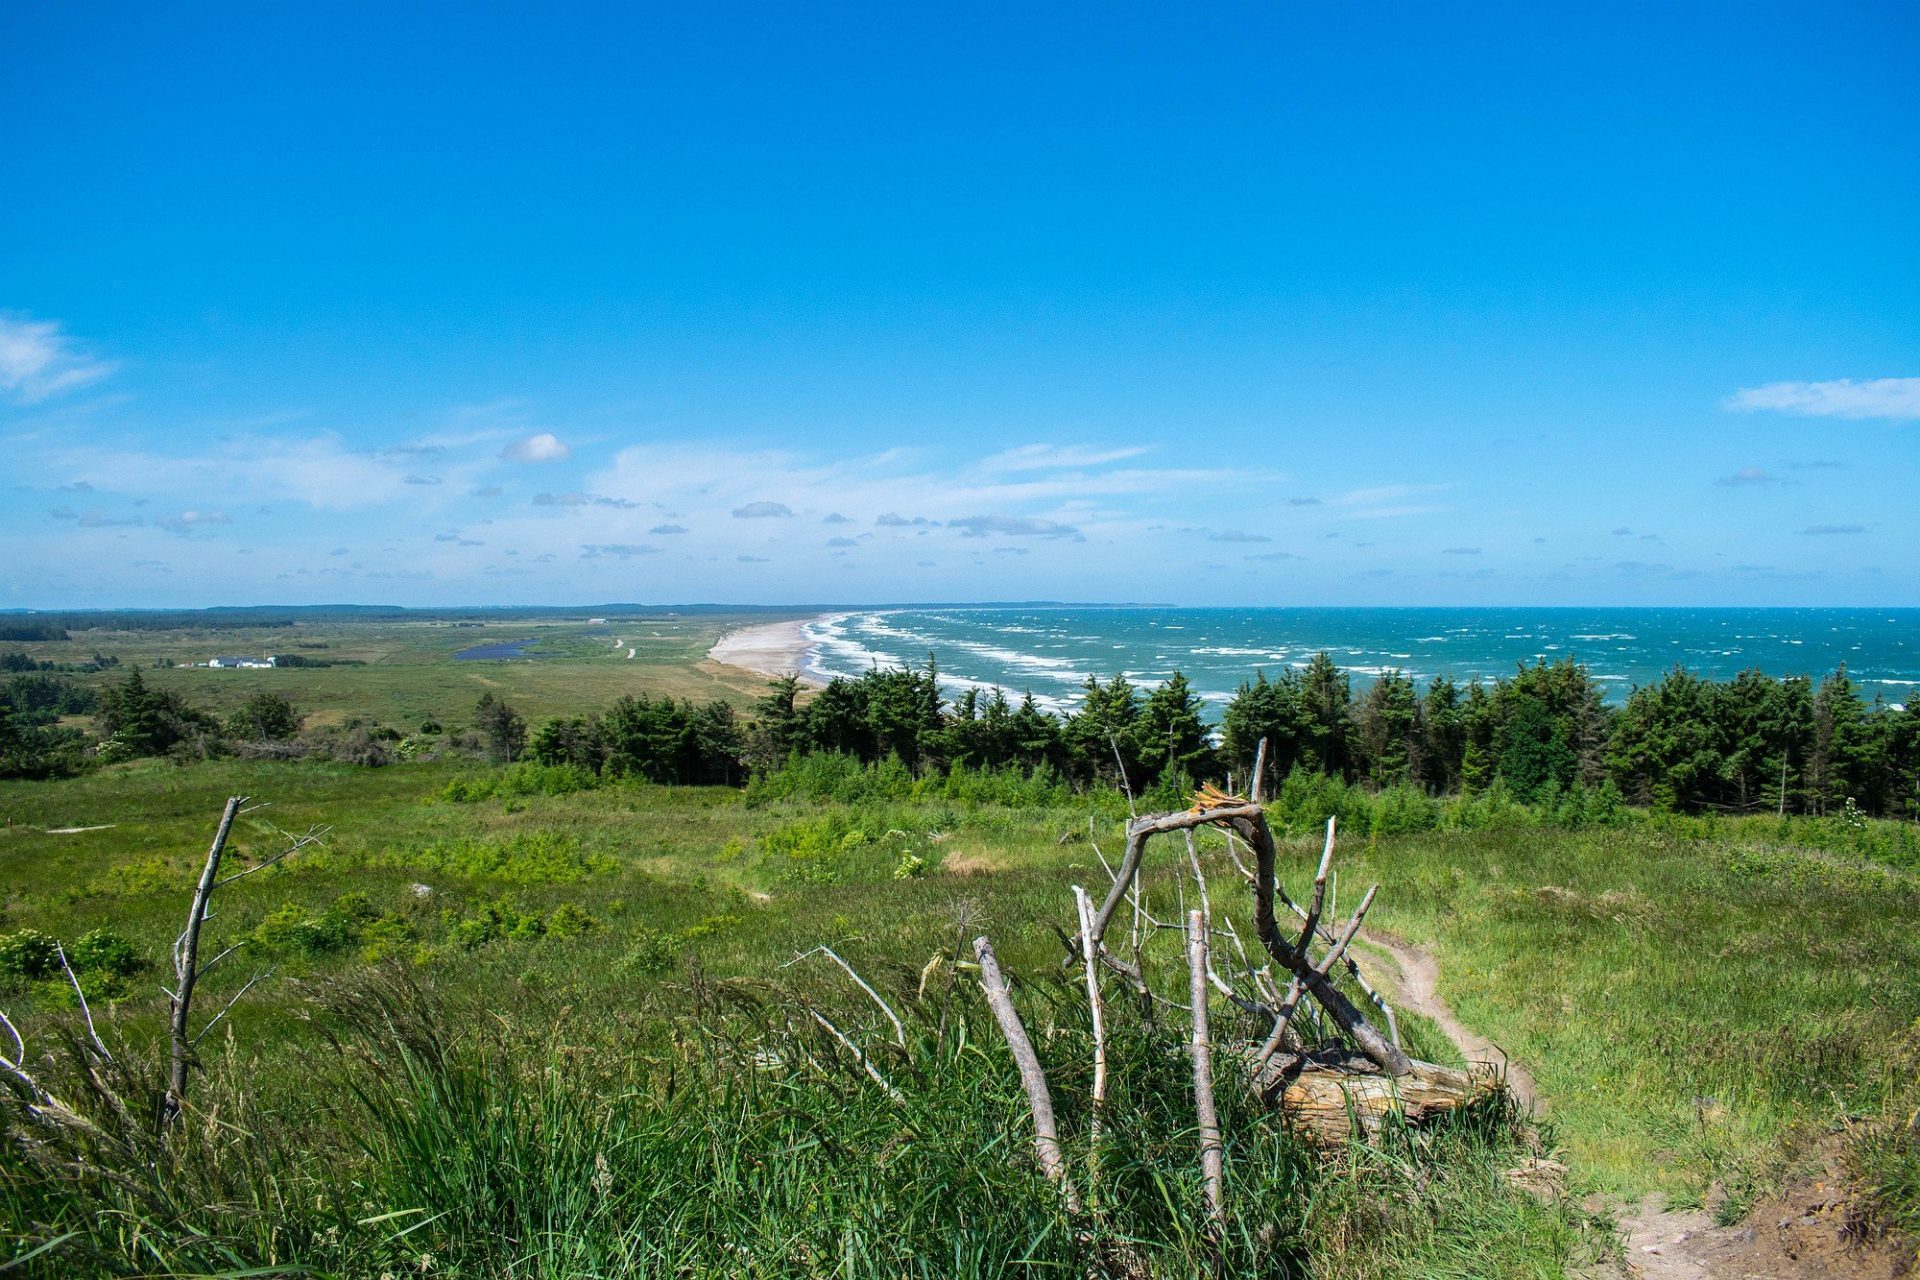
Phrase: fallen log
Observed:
(1324, 1094)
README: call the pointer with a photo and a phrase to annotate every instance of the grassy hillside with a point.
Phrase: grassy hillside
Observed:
(583, 1018)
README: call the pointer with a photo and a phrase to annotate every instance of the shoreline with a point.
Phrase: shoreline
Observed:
(771, 649)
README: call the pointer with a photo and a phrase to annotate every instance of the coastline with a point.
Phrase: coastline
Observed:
(771, 649)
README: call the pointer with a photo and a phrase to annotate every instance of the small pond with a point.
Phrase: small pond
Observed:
(499, 649)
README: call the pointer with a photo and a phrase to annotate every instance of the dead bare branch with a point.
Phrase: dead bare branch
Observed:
(1083, 907)
(228, 1007)
(313, 836)
(86, 1014)
(1046, 1135)
(899, 1031)
(860, 1055)
(1212, 1154)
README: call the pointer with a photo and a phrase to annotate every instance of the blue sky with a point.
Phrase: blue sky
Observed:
(1262, 304)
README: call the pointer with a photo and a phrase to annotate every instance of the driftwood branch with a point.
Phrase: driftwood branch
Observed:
(1212, 1154)
(1046, 1134)
(1248, 821)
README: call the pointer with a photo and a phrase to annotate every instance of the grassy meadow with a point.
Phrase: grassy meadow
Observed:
(513, 1028)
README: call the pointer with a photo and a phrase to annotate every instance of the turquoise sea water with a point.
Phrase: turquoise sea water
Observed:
(1052, 650)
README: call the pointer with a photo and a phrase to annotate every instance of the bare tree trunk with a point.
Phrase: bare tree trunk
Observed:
(1046, 1135)
(187, 968)
(186, 964)
(1212, 1155)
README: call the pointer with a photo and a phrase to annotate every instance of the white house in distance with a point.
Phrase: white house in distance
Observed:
(240, 662)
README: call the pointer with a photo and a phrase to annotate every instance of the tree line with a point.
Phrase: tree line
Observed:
(1753, 743)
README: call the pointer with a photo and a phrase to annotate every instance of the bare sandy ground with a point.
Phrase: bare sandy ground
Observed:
(770, 649)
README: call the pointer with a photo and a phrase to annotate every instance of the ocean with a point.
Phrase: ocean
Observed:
(1050, 650)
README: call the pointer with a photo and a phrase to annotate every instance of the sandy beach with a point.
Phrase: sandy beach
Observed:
(770, 649)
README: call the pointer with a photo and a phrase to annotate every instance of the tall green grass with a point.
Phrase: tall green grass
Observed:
(714, 1129)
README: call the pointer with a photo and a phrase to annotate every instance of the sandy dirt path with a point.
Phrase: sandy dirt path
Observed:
(1805, 1233)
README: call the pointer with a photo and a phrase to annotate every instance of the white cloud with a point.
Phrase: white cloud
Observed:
(38, 361)
(1844, 398)
(762, 511)
(187, 521)
(545, 447)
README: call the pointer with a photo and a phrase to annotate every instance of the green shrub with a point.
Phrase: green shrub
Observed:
(493, 922)
(811, 851)
(567, 920)
(651, 953)
(292, 931)
(103, 951)
(29, 954)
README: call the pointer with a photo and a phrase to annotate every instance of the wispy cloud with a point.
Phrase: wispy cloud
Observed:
(37, 360)
(1748, 478)
(1042, 457)
(1237, 535)
(577, 499)
(618, 550)
(1014, 527)
(1828, 530)
(319, 471)
(1385, 500)
(1843, 398)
